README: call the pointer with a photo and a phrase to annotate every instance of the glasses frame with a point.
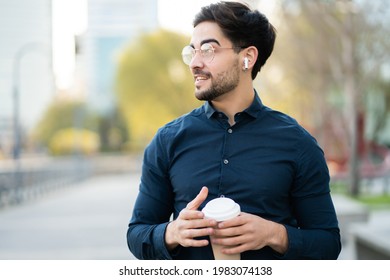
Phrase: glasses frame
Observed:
(205, 50)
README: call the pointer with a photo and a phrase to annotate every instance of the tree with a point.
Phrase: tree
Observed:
(153, 85)
(331, 54)
(112, 131)
(62, 114)
(70, 141)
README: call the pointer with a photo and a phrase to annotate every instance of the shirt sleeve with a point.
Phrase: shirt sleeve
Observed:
(153, 206)
(317, 235)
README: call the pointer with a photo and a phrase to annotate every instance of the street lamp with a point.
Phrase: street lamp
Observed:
(23, 50)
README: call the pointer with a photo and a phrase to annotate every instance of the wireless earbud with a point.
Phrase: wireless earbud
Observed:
(246, 63)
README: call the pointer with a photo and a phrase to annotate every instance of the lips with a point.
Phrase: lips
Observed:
(199, 77)
(200, 80)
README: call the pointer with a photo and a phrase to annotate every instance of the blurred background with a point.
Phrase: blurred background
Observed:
(85, 84)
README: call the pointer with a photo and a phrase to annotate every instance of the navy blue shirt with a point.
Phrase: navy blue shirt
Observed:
(266, 162)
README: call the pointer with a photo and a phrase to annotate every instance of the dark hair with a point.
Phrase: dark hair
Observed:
(243, 27)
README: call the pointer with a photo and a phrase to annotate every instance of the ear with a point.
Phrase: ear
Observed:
(251, 54)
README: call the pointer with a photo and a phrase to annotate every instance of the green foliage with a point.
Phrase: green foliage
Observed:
(60, 115)
(74, 141)
(113, 132)
(153, 86)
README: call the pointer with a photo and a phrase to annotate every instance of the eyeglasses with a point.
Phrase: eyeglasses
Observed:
(206, 51)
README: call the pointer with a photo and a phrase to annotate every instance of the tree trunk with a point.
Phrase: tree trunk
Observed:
(352, 98)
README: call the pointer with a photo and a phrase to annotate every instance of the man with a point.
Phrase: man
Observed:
(236, 147)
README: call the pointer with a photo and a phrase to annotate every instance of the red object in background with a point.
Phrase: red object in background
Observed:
(374, 158)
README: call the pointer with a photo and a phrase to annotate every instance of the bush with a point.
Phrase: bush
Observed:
(74, 141)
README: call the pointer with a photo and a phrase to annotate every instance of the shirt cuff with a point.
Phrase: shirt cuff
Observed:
(295, 242)
(159, 242)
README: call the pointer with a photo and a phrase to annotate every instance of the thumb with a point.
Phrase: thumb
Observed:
(197, 201)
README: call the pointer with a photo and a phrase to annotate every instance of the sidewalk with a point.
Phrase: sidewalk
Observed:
(87, 220)
(355, 218)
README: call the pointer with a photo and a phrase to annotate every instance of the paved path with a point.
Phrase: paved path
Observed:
(87, 220)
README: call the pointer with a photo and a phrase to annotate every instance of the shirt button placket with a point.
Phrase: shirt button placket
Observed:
(226, 161)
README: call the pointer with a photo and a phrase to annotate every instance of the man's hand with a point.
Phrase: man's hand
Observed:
(250, 232)
(190, 224)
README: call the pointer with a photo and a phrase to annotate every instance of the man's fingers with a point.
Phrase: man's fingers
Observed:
(195, 243)
(197, 201)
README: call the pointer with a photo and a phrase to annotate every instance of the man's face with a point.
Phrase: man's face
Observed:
(219, 74)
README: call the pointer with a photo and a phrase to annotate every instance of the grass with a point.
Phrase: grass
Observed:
(372, 201)
(375, 201)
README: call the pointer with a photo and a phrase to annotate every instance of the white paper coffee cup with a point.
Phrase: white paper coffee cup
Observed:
(222, 209)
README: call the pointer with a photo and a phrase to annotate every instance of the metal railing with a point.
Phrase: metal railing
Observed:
(31, 178)
(23, 183)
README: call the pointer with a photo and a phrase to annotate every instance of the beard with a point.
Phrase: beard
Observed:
(224, 82)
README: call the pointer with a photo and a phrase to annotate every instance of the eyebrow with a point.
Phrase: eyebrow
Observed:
(207, 41)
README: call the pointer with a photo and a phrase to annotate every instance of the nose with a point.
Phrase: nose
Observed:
(196, 61)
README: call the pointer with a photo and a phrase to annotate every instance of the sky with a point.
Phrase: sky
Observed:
(178, 14)
(175, 15)
(64, 29)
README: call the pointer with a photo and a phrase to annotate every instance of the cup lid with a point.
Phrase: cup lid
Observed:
(221, 209)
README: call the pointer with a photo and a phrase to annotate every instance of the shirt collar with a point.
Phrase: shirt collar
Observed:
(209, 109)
(253, 110)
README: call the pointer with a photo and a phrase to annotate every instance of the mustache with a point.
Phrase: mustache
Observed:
(202, 73)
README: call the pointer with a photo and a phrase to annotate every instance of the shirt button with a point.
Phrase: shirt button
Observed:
(230, 130)
(225, 161)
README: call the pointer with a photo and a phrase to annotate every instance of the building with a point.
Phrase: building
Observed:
(6, 137)
(112, 24)
(25, 60)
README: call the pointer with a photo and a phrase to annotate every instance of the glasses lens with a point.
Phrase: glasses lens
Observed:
(207, 52)
(187, 54)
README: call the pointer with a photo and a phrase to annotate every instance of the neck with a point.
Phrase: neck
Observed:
(234, 102)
